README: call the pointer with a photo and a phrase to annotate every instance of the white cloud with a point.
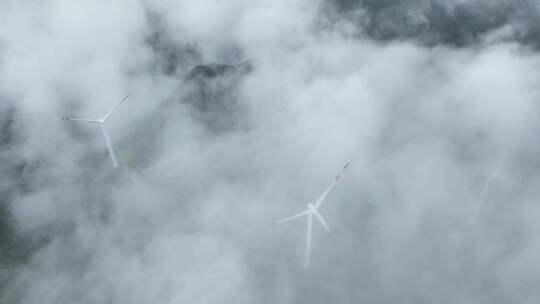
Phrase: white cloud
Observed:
(189, 216)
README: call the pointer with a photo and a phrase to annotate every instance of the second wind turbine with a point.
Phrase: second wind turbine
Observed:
(102, 121)
(311, 211)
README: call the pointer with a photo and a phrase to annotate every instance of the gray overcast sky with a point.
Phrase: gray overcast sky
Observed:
(242, 113)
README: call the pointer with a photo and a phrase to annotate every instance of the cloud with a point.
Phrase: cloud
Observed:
(241, 114)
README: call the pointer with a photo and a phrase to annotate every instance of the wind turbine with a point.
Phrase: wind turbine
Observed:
(495, 175)
(312, 210)
(102, 121)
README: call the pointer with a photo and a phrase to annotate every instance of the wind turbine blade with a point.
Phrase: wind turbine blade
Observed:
(307, 252)
(323, 196)
(482, 198)
(109, 147)
(321, 219)
(80, 119)
(503, 178)
(293, 217)
(114, 109)
(500, 166)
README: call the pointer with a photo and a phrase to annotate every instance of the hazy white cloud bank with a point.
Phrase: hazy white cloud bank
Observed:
(240, 114)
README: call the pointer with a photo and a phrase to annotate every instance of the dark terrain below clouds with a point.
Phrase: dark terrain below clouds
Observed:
(440, 22)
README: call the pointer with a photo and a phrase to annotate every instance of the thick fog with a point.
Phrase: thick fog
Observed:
(242, 113)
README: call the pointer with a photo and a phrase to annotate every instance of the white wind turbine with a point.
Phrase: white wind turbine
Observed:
(311, 211)
(495, 175)
(102, 121)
